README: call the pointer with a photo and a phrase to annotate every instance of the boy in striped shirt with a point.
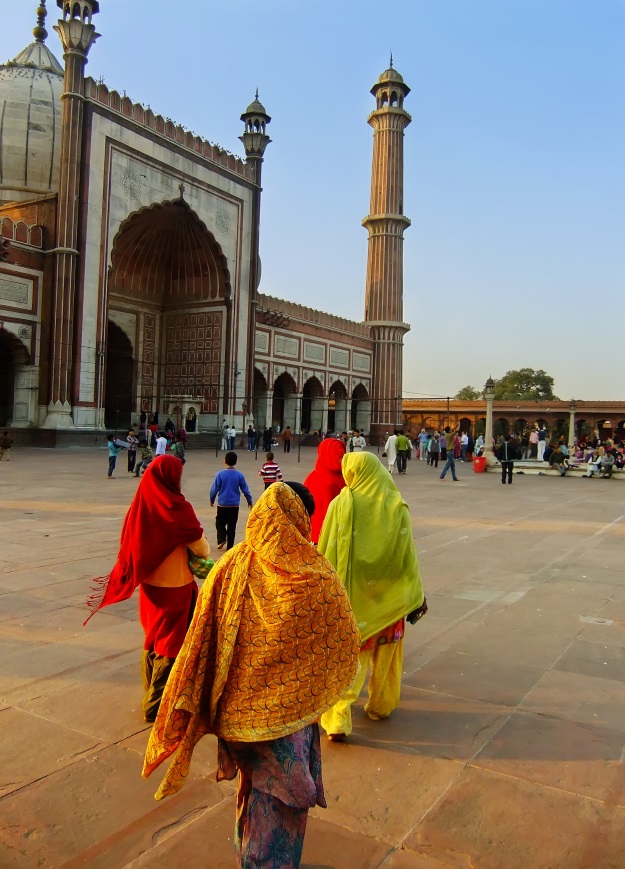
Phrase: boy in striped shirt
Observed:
(270, 471)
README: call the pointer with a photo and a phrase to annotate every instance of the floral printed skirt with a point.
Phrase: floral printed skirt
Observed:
(279, 781)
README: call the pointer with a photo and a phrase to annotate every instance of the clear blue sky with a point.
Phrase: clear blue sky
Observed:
(515, 169)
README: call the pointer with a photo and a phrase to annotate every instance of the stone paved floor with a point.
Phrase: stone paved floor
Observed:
(507, 750)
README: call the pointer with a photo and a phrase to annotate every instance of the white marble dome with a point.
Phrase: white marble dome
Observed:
(30, 124)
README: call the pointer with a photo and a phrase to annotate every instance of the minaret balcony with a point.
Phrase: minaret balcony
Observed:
(386, 224)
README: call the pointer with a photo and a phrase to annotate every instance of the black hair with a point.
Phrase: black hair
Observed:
(231, 459)
(304, 494)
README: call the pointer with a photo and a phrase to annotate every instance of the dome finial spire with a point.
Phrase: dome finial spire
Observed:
(391, 67)
(39, 32)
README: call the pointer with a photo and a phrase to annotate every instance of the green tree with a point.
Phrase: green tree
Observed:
(525, 384)
(468, 393)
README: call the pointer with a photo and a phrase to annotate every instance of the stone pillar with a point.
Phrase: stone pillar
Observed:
(324, 415)
(489, 392)
(572, 409)
(340, 415)
(386, 225)
(77, 34)
(269, 410)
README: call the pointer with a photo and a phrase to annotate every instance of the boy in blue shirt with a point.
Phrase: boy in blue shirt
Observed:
(114, 449)
(227, 487)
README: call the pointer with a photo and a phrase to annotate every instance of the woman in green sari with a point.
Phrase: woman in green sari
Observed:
(367, 537)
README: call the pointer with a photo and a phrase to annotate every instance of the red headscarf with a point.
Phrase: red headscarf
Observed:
(325, 482)
(159, 520)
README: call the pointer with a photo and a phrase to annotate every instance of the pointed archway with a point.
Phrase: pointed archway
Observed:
(312, 405)
(361, 409)
(120, 375)
(171, 277)
(284, 409)
(14, 358)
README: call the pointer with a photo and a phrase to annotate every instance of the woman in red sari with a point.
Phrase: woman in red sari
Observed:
(325, 481)
(159, 529)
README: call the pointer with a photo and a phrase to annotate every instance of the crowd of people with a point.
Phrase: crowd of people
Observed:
(279, 640)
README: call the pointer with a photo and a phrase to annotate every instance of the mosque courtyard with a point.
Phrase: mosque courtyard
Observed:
(508, 749)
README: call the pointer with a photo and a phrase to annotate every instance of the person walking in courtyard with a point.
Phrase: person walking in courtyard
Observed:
(507, 452)
(357, 443)
(423, 445)
(159, 529)
(114, 450)
(541, 443)
(325, 481)
(450, 464)
(177, 449)
(161, 445)
(434, 448)
(367, 537)
(273, 592)
(6, 443)
(533, 444)
(464, 446)
(225, 434)
(270, 471)
(132, 442)
(146, 455)
(443, 445)
(227, 487)
(251, 438)
(286, 439)
(232, 436)
(402, 446)
(390, 448)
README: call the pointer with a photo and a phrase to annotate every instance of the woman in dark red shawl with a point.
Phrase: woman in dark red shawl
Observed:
(325, 482)
(159, 528)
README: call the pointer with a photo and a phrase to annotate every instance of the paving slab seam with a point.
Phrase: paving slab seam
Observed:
(102, 744)
(547, 787)
(78, 757)
(10, 697)
(197, 816)
(468, 763)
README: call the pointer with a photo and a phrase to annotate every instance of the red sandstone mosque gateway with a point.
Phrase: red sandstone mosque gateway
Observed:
(129, 266)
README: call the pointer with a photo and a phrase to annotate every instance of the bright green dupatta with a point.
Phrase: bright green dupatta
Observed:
(367, 537)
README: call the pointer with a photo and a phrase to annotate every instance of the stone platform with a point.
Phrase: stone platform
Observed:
(507, 751)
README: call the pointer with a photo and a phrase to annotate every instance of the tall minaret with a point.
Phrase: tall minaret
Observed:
(386, 224)
(77, 35)
(255, 141)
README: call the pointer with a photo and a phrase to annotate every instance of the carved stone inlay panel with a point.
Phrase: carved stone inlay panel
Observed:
(340, 358)
(286, 346)
(222, 221)
(262, 342)
(315, 352)
(193, 357)
(12, 290)
(361, 362)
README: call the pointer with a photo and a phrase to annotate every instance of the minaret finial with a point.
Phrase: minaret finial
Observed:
(256, 93)
(391, 58)
(39, 32)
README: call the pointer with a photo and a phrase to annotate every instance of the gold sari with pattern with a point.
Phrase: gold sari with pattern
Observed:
(272, 645)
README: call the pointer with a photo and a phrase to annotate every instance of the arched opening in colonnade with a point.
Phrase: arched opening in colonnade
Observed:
(312, 405)
(261, 399)
(337, 407)
(284, 407)
(360, 417)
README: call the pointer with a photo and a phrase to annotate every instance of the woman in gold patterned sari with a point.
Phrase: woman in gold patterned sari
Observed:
(273, 644)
